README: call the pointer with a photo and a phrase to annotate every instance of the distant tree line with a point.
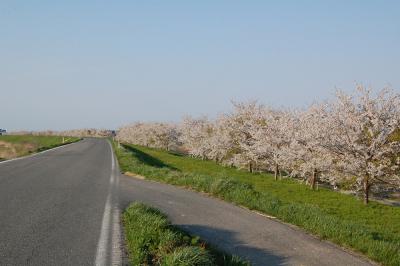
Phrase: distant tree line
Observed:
(81, 133)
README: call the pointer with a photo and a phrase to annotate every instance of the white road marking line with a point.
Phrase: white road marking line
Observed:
(110, 224)
(112, 179)
(101, 254)
(116, 255)
(112, 159)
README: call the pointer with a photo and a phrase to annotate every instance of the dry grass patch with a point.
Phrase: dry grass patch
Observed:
(7, 150)
(134, 175)
(13, 146)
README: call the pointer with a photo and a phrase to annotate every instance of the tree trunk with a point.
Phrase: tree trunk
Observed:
(366, 189)
(276, 171)
(313, 179)
(250, 167)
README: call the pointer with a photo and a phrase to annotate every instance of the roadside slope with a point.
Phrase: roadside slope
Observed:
(15, 146)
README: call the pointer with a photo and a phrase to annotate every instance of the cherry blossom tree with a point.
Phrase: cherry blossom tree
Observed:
(305, 154)
(196, 135)
(155, 135)
(241, 125)
(272, 138)
(359, 130)
(222, 143)
(206, 139)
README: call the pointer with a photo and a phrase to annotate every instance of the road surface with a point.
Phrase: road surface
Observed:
(63, 207)
(52, 207)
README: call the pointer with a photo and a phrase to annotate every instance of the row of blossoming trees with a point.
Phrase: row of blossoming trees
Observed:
(354, 139)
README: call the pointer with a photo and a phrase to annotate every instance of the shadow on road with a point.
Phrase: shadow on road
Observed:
(147, 159)
(158, 195)
(222, 239)
(228, 242)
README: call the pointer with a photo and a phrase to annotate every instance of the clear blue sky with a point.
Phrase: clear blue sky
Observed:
(106, 63)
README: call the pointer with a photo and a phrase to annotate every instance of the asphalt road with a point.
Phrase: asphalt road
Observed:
(63, 207)
(52, 207)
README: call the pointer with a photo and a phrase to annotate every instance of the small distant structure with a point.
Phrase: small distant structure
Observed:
(2, 131)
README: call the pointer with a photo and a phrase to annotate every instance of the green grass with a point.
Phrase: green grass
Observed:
(152, 240)
(343, 219)
(12, 146)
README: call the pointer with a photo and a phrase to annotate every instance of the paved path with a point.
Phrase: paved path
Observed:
(62, 207)
(236, 230)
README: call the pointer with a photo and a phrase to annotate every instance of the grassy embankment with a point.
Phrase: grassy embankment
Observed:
(13, 146)
(373, 230)
(152, 240)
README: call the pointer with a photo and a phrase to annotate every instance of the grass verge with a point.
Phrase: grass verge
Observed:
(373, 230)
(13, 146)
(152, 240)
